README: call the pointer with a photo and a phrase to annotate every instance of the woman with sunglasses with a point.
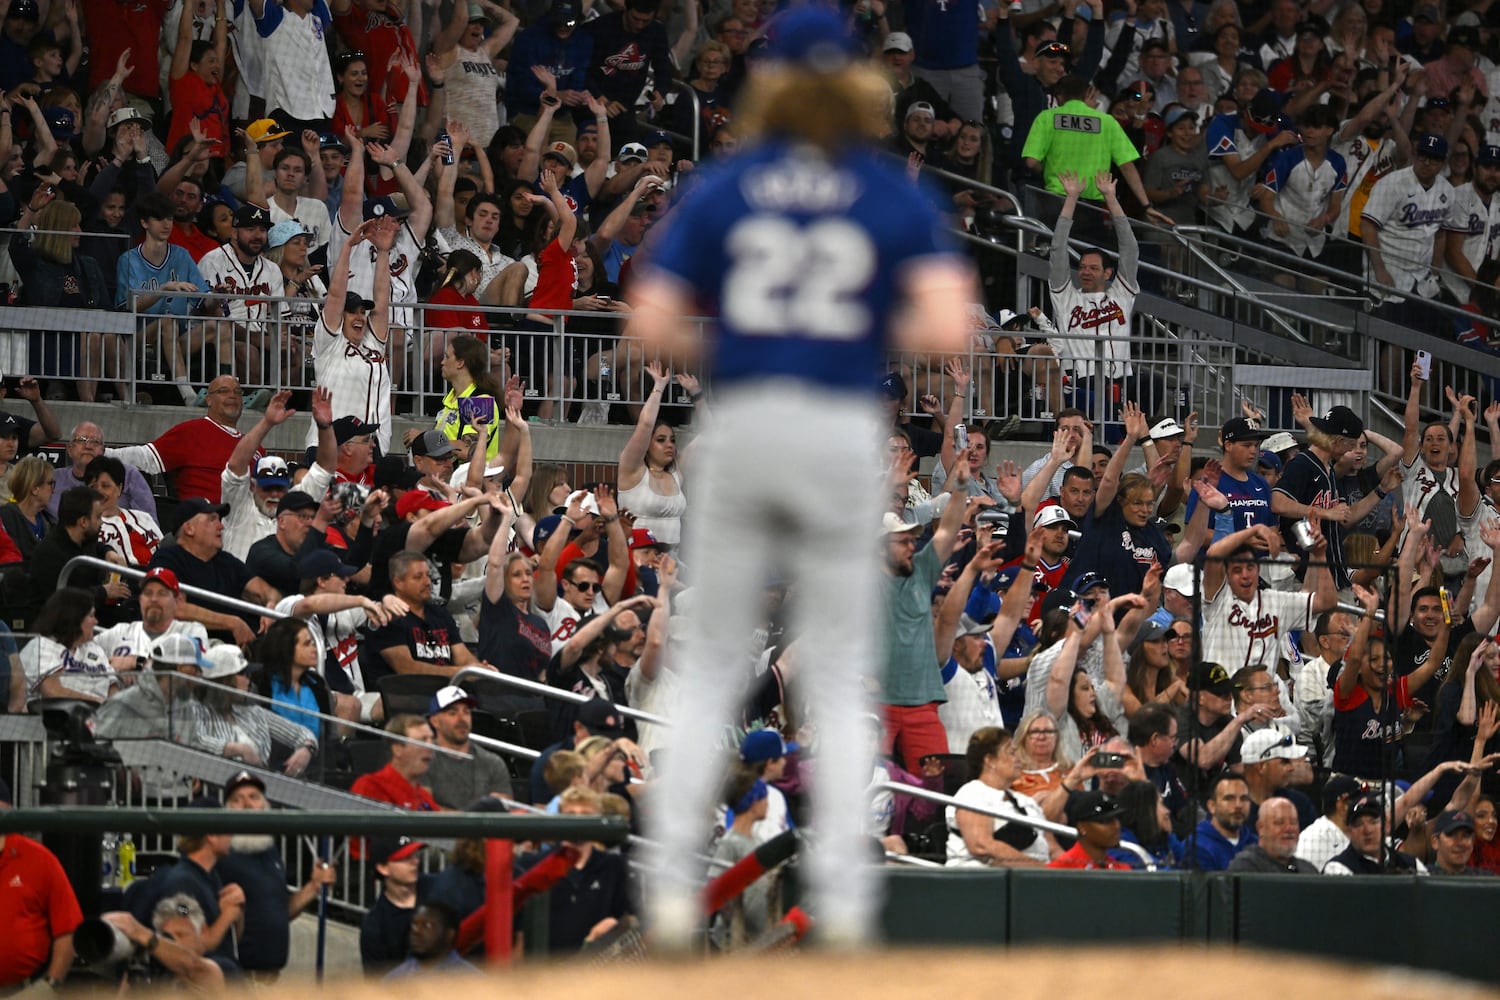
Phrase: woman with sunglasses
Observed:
(1148, 675)
(1180, 653)
(1043, 765)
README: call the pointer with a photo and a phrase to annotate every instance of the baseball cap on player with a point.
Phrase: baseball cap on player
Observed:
(1431, 146)
(813, 36)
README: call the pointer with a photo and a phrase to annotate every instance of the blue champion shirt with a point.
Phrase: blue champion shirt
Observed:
(800, 257)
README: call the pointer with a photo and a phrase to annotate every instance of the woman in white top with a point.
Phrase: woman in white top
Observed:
(63, 661)
(349, 344)
(975, 839)
(650, 483)
(287, 246)
(133, 534)
(466, 62)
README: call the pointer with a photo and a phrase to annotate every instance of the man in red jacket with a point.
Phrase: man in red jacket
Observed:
(396, 783)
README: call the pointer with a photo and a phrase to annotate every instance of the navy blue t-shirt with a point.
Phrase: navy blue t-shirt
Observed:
(1118, 551)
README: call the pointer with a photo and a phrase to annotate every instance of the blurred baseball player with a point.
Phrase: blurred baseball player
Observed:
(816, 257)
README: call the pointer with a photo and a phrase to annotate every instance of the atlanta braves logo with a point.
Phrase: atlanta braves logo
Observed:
(1263, 627)
(1103, 314)
(630, 59)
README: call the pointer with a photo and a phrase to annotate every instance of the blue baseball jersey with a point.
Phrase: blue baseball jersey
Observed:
(800, 257)
(1249, 504)
(134, 273)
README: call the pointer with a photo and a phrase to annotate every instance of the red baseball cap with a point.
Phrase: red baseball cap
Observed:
(163, 576)
(415, 500)
(641, 538)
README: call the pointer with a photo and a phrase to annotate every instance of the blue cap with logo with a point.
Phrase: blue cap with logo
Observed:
(1432, 146)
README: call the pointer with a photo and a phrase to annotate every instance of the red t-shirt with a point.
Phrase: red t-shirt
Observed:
(39, 906)
(8, 551)
(116, 25)
(571, 551)
(375, 113)
(379, 36)
(555, 275)
(465, 317)
(195, 241)
(1074, 857)
(387, 785)
(192, 98)
(195, 452)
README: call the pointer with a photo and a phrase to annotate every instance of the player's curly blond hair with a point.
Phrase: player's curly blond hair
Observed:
(827, 110)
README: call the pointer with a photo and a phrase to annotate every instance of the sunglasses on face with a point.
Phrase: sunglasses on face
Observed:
(1054, 49)
(587, 586)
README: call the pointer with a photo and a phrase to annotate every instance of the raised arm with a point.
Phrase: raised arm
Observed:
(338, 275)
(1109, 483)
(352, 198)
(1059, 266)
(656, 630)
(613, 584)
(544, 590)
(945, 624)
(954, 367)
(1468, 458)
(531, 160)
(632, 465)
(1411, 438)
(1036, 491)
(1060, 679)
(946, 534)
(182, 53)
(494, 571)
(244, 450)
(383, 236)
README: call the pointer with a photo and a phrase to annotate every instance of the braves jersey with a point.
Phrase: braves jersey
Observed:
(1084, 318)
(298, 78)
(1409, 217)
(1484, 513)
(1241, 634)
(1365, 162)
(1308, 481)
(222, 267)
(1479, 223)
(1303, 190)
(357, 375)
(562, 620)
(133, 535)
(800, 256)
(403, 265)
(1228, 137)
(1421, 483)
(973, 702)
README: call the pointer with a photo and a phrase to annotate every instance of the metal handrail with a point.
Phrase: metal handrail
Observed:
(63, 232)
(917, 792)
(237, 604)
(547, 691)
(684, 86)
(515, 749)
(417, 825)
(270, 704)
(970, 182)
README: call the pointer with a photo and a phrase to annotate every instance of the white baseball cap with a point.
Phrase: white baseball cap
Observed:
(1166, 428)
(584, 497)
(1051, 514)
(1279, 442)
(224, 660)
(1181, 579)
(890, 524)
(1269, 744)
(897, 41)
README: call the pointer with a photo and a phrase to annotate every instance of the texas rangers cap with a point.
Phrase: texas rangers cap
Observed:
(658, 138)
(1432, 146)
(1488, 156)
(163, 576)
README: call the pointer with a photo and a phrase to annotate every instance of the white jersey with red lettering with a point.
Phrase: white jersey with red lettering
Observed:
(1240, 634)
(562, 620)
(1420, 484)
(1085, 318)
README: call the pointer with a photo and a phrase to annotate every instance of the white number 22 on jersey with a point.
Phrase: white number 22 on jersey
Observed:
(784, 278)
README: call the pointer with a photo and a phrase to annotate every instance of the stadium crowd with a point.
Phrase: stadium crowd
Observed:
(1236, 650)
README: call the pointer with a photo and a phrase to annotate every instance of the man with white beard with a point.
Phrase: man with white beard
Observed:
(254, 862)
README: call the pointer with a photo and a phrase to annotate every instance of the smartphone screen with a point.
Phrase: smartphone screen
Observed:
(1424, 364)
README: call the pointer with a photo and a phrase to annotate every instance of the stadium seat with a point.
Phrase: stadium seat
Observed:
(408, 693)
